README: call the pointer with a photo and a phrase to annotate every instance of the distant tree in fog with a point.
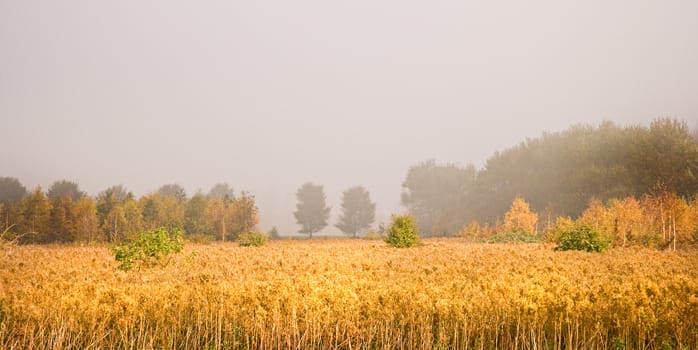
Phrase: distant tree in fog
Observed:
(311, 210)
(221, 191)
(435, 195)
(358, 212)
(173, 190)
(11, 190)
(65, 188)
(118, 193)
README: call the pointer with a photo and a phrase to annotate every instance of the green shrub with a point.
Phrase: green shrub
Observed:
(516, 236)
(148, 248)
(252, 239)
(403, 232)
(582, 237)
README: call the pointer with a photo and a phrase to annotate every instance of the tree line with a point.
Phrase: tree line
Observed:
(660, 219)
(64, 213)
(558, 174)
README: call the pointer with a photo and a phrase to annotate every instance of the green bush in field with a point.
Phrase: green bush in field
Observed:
(582, 237)
(148, 248)
(403, 232)
(252, 239)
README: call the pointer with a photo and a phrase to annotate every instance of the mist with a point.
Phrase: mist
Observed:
(268, 95)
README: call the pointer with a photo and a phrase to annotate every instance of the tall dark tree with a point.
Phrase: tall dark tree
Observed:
(65, 188)
(435, 196)
(358, 212)
(150, 209)
(11, 190)
(62, 220)
(222, 191)
(173, 190)
(35, 217)
(195, 215)
(311, 212)
(11, 194)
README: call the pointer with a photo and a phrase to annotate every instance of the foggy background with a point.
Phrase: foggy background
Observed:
(266, 95)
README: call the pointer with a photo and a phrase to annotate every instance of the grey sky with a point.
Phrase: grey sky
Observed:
(266, 95)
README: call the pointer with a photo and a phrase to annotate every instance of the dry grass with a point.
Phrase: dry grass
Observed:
(351, 294)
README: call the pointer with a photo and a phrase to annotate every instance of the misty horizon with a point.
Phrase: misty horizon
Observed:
(268, 96)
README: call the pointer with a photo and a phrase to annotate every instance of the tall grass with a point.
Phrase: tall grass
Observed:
(351, 295)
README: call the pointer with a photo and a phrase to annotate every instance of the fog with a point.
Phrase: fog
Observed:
(266, 95)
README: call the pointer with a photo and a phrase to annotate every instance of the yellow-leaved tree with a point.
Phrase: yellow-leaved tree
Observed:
(520, 218)
(626, 217)
(595, 215)
(86, 221)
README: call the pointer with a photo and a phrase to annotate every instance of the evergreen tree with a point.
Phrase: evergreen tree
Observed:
(195, 215)
(36, 214)
(150, 211)
(62, 220)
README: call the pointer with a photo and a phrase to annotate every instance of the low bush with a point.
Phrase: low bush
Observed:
(403, 232)
(252, 239)
(582, 237)
(148, 248)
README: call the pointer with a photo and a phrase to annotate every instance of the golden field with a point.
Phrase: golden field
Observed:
(351, 294)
